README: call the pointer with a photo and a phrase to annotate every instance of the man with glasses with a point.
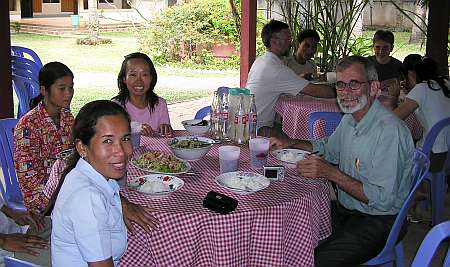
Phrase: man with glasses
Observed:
(269, 77)
(369, 159)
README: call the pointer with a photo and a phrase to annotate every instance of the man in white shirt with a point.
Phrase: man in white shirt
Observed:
(302, 62)
(269, 77)
(12, 238)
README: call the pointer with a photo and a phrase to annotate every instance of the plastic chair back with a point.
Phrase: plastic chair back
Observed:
(27, 73)
(25, 89)
(26, 52)
(202, 113)
(329, 121)
(10, 190)
(25, 63)
(12, 262)
(393, 250)
(437, 180)
(430, 244)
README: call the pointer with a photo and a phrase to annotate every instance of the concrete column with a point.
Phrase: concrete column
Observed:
(6, 99)
(248, 38)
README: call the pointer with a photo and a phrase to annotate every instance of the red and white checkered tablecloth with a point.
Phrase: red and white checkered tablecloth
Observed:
(294, 112)
(278, 226)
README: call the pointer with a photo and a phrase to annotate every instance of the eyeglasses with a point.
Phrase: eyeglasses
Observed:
(284, 39)
(353, 85)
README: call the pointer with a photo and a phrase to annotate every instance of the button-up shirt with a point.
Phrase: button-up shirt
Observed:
(378, 151)
(37, 141)
(87, 222)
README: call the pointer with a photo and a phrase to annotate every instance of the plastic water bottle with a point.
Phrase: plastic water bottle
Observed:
(225, 116)
(240, 121)
(252, 119)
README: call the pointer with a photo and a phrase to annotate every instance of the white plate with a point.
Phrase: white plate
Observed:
(156, 185)
(186, 168)
(242, 182)
(289, 157)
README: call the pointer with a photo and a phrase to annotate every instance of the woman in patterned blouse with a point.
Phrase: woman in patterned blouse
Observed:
(43, 132)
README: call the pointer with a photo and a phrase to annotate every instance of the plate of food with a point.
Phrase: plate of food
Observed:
(160, 162)
(156, 185)
(241, 182)
(289, 157)
(190, 148)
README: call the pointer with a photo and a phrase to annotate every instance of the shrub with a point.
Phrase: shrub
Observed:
(183, 35)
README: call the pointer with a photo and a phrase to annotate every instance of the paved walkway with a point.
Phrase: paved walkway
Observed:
(186, 111)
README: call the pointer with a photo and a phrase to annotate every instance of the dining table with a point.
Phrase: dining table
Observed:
(277, 226)
(294, 111)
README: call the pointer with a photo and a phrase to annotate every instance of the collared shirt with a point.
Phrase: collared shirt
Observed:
(378, 151)
(37, 141)
(433, 107)
(268, 78)
(309, 67)
(87, 222)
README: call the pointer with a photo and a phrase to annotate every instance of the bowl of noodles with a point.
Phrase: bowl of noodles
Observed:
(190, 148)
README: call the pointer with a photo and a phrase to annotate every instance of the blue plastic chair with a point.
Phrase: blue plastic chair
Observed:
(393, 250)
(25, 63)
(10, 191)
(332, 120)
(24, 52)
(430, 244)
(437, 180)
(25, 89)
(12, 262)
(27, 73)
(202, 113)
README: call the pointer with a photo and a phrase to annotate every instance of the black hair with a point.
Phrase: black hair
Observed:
(426, 71)
(270, 29)
(124, 93)
(382, 35)
(83, 130)
(411, 61)
(308, 33)
(48, 74)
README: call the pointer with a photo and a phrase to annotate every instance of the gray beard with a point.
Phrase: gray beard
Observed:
(362, 102)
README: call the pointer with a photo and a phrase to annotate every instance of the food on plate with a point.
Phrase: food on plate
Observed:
(160, 162)
(200, 123)
(154, 187)
(291, 156)
(241, 183)
(190, 144)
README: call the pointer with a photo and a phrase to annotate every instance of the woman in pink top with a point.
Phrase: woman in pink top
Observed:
(136, 80)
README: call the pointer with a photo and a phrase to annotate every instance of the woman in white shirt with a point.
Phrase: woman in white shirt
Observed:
(429, 99)
(88, 227)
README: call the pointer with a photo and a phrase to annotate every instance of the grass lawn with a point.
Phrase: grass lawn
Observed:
(104, 59)
(108, 58)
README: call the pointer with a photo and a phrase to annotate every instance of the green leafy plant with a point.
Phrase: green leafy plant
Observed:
(184, 35)
(17, 26)
(334, 20)
(361, 46)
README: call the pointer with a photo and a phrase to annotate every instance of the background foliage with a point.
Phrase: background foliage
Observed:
(183, 35)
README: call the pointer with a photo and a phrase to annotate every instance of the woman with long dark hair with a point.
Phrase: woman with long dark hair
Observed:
(136, 81)
(43, 133)
(429, 99)
(88, 227)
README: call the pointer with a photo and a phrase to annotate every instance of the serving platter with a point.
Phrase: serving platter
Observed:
(160, 162)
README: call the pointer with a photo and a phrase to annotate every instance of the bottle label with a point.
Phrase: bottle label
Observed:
(254, 118)
(245, 119)
(225, 115)
(236, 119)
